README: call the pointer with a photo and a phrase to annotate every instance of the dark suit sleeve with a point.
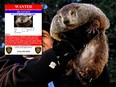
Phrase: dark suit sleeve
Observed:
(33, 72)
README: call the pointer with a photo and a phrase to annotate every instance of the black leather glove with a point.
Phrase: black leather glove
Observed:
(64, 51)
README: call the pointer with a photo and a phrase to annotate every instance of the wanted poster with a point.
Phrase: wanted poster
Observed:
(23, 29)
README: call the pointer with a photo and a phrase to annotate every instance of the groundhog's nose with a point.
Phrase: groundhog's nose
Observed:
(21, 21)
(66, 21)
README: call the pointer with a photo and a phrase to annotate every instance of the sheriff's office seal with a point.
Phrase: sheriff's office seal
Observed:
(37, 50)
(8, 50)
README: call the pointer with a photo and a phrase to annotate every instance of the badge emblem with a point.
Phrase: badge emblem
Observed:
(37, 50)
(8, 50)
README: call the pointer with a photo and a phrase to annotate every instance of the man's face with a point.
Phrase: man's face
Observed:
(47, 41)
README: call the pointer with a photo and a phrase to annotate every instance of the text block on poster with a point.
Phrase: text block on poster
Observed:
(23, 29)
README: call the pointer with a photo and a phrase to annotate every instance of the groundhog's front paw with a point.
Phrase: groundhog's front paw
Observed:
(94, 26)
(91, 30)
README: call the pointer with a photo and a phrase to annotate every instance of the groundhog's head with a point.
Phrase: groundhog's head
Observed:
(74, 15)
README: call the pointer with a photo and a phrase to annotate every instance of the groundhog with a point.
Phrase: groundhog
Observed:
(23, 21)
(84, 26)
(73, 15)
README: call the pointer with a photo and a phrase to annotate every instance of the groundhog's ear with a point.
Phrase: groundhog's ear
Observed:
(77, 6)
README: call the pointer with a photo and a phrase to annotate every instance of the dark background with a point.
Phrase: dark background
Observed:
(50, 8)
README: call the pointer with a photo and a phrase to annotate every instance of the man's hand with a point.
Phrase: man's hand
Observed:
(64, 51)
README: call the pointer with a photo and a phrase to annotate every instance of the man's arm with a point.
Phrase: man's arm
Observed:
(37, 71)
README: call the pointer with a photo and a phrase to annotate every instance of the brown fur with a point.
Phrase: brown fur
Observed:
(92, 58)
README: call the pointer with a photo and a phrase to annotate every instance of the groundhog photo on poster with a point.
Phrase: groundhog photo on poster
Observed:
(23, 21)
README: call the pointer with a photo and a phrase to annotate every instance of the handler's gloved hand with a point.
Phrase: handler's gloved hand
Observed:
(64, 51)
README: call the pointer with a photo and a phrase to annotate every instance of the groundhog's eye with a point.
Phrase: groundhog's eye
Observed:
(71, 12)
(59, 16)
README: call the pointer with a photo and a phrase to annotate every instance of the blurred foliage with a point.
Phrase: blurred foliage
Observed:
(50, 7)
